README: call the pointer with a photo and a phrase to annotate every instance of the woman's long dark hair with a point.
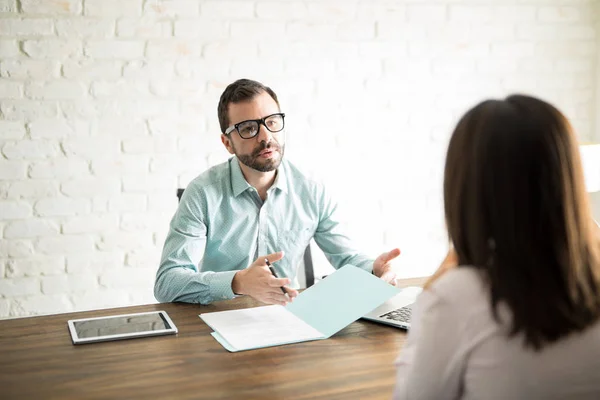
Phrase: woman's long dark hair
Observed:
(516, 209)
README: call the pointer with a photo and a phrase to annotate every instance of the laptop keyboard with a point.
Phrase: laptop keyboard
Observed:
(401, 314)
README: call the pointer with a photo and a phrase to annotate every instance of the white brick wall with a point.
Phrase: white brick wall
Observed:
(107, 106)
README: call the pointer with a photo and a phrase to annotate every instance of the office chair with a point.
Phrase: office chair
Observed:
(309, 274)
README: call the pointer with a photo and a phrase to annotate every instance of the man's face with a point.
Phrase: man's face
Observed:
(264, 151)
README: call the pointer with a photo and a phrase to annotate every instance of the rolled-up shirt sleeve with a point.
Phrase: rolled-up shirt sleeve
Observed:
(177, 278)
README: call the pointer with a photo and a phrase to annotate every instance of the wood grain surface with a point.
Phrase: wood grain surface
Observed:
(39, 361)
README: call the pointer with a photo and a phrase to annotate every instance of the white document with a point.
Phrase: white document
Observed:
(260, 327)
(317, 313)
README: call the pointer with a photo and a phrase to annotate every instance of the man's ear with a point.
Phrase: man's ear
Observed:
(227, 143)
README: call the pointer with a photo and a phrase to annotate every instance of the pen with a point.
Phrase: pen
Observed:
(274, 274)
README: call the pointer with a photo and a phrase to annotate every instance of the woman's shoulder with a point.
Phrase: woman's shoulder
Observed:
(461, 286)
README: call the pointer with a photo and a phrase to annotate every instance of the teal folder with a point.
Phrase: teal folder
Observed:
(317, 313)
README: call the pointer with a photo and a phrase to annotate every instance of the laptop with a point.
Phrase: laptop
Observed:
(396, 311)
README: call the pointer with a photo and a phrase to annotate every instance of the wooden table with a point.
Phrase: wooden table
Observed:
(39, 361)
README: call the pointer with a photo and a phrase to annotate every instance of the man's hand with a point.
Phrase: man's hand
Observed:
(450, 262)
(257, 282)
(382, 266)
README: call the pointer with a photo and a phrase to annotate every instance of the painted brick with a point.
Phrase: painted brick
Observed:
(13, 169)
(172, 8)
(122, 89)
(144, 145)
(309, 30)
(24, 110)
(575, 65)
(57, 128)
(163, 203)
(94, 261)
(30, 228)
(516, 49)
(40, 305)
(102, 298)
(127, 277)
(9, 48)
(226, 9)
(471, 13)
(90, 187)
(574, 48)
(560, 14)
(31, 149)
(52, 48)
(279, 11)
(19, 286)
(148, 70)
(65, 244)
(144, 28)
(355, 31)
(142, 259)
(124, 165)
(72, 283)
(127, 202)
(19, 248)
(56, 90)
(32, 189)
(51, 6)
(127, 241)
(334, 11)
(85, 28)
(202, 29)
(11, 130)
(92, 69)
(14, 210)
(426, 13)
(5, 304)
(114, 49)
(121, 127)
(132, 222)
(26, 27)
(30, 69)
(91, 148)
(494, 31)
(8, 6)
(378, 11)
(61, 206)
(515, 13)
(60, 168)
(257, 30)
(11, 90)
(144, 183)
(173, 48)
(112, 8)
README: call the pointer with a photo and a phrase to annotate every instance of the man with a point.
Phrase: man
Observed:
(238, 215)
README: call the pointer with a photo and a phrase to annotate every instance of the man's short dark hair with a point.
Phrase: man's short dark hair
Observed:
(237, 92)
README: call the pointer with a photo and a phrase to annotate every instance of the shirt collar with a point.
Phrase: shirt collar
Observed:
(240, 185)
(281, 179)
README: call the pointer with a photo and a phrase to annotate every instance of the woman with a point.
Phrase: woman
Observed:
(519, 317)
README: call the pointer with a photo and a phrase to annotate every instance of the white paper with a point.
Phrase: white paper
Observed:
(258, 327)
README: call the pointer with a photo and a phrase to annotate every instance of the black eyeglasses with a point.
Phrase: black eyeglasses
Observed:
(248, 129)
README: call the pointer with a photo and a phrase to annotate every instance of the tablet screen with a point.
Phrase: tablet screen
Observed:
(121, 324)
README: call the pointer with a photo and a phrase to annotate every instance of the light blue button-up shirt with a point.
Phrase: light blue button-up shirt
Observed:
(222, 226)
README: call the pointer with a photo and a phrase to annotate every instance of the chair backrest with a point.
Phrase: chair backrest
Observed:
(309, 274)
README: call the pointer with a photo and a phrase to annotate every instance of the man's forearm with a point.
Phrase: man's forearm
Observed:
(186, 285)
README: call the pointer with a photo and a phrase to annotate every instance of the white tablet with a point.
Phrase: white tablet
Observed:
(116, 327)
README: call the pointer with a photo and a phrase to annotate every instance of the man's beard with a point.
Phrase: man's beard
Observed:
(253, 161)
